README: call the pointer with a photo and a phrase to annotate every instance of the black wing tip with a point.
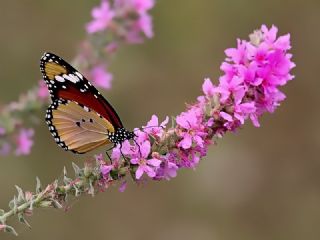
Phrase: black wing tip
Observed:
(46, 56)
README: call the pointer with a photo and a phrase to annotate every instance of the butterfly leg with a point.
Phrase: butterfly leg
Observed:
(107, 152)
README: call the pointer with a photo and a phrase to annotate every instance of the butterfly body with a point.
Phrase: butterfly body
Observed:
(79, 118)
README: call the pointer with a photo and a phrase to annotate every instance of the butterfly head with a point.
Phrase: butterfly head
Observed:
(120, 135)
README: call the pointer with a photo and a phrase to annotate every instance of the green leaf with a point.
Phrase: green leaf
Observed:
(2, 212)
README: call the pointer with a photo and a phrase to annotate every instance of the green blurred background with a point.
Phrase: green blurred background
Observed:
(256, 184)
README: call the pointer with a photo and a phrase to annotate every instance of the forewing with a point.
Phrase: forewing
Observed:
(66, 83)
(77, 128)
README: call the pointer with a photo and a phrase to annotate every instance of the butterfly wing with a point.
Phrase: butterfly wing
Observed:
(79, 117)
(77, 128)
(65, 82)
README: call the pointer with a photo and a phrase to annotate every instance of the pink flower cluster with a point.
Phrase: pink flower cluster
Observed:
(14, 135)
(101, 77)
(23, 142)
(132, 15)
(253, 73)
(114, 23)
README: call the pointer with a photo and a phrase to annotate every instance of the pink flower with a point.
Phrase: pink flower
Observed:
(142, 6)
(105, 169)
(243, 110)
(112, 47)
(239, 54)
(191, 123)
(167, 169)
(102, 15)
(2, 227)
(43, 92)
(145, 165)
(100, 77)
(153, 126)
(145, 24)
(140, 25)
(208, 88)
(252, 74)
(24, 142)
(233, 87)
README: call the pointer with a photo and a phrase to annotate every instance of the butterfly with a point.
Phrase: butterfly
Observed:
(79, 118)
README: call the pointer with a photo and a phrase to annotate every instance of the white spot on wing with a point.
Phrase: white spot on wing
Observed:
(59, 79)
(71, 78)
(79, 75)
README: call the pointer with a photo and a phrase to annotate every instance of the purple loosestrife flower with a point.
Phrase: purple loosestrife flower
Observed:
(141, 23)
(252, 74)
(208, 88)
(102, 15)
(145, 24)
(142, 6)
(191, 128)
(167, 169)
(145, 165)
(24, 142)
(100, 77)
(153, 127)
(106, 169)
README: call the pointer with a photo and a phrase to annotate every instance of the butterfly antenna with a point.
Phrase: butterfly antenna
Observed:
(142, 128)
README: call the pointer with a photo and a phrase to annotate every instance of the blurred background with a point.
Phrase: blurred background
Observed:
(256, 184)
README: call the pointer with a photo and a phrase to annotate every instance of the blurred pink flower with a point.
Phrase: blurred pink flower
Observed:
(2, 131)
(43, 92)
(2, 227)
(145, 24)
(100, 77)
(112, 47)
(102, 15)
(24, 142)
(143, 5)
